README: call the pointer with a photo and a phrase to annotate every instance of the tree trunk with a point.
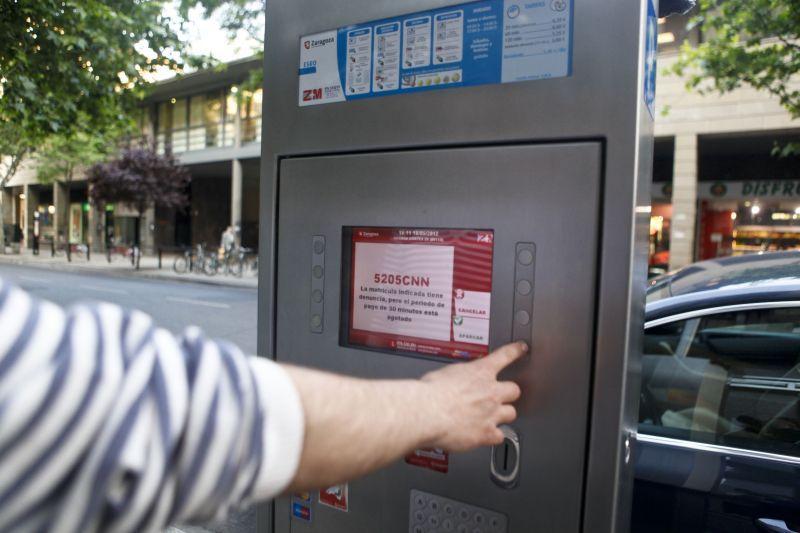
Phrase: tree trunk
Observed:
(137, 239)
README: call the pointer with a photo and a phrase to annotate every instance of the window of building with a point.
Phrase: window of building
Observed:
(229, 128)
(197, 127)
(164, 126)
(250, 112)
(213, 120)
(673, 31)
(144, 123)
(180, 131)
(731, 379)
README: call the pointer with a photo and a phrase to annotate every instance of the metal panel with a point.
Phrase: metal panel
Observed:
(547, 195)
(601, 100)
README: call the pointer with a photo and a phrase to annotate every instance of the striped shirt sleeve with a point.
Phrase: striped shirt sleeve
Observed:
(108, 423)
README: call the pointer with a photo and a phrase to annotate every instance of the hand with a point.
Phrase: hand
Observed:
(468, 402)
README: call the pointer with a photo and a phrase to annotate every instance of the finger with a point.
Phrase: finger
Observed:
(506, 414)
(508, 391)
(504, 356)
(495, 437)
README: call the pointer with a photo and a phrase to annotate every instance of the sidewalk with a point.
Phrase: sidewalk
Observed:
(148, 268)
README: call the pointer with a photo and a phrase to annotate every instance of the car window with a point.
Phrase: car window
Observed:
(731, 379)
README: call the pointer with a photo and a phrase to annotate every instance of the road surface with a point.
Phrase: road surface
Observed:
(222, 312)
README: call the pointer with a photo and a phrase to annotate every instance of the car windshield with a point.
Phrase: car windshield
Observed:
(659, 288)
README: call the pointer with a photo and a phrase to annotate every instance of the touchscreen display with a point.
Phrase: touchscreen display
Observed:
(420, 291)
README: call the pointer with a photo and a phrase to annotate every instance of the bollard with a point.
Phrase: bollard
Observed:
(159, 258)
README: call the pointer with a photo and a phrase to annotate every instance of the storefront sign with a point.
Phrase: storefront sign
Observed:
(736, 190)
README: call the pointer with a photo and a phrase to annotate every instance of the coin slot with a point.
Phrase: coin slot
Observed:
(504, 467)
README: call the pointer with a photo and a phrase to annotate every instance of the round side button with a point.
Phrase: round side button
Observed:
(522, 318)
(317, 271)
(525, 257)
(316, 321)
(319, 246)
(316, 296)
(524, 287)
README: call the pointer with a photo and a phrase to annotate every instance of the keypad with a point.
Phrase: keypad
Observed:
(430, 513)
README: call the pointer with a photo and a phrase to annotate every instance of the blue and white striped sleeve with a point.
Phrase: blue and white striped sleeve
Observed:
(108, 423)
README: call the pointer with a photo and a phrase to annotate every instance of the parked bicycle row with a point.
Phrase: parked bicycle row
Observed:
(235, 261)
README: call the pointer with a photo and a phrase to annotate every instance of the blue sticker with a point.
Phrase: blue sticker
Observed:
(650, 59)
(477, 43)
(301, 512)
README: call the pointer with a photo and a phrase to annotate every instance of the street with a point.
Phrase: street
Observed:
(222, 312)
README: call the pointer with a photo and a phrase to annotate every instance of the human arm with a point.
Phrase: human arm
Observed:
(374, 422)
(108, 422)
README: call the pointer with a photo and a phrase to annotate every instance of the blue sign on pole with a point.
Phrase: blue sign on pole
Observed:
(650, 57)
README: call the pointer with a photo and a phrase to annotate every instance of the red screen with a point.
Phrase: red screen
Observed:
(421, 291)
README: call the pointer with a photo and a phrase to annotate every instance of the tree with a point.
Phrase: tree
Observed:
(62, 154)
(236, 16)
(139, 177)
(746, 42)
(65, 59)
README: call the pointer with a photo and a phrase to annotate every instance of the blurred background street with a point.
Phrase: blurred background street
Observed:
(222, 312)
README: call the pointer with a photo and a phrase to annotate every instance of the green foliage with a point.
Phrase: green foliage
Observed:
(61, 154)
(746, 42)
(236, 16)
(67, 65)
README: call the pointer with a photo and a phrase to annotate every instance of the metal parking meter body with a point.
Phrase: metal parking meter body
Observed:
(440, 178)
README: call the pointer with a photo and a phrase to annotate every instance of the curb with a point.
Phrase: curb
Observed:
(119, 273)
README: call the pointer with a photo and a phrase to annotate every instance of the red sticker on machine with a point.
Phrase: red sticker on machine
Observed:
(434, 459)
(335, 496)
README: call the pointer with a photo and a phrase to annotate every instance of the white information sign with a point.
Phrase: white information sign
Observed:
(403, 289)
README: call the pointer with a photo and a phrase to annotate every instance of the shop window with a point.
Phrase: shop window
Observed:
(731, 379)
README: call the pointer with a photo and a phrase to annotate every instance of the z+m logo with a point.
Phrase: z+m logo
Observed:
(312, 94)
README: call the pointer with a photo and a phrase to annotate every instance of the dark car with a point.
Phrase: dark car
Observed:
(719, 418)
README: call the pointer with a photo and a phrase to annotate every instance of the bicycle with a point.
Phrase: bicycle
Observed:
(191, 260)
(231, 262)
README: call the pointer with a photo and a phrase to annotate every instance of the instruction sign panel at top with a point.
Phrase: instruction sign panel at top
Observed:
(477, 43)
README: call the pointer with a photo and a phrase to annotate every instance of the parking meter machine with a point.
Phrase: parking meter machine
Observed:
(439, 179)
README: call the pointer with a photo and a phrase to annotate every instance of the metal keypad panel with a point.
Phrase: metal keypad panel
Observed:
(430, 513)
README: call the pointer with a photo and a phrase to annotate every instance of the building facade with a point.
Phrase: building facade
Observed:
(717, 187)
(212, 124)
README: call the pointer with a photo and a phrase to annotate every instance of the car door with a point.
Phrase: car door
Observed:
(719, 423)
